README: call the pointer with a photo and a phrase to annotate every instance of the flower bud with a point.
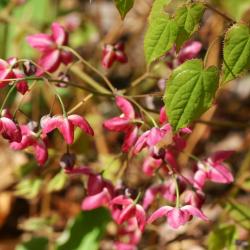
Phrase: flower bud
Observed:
(29, 68)
(64, 78)
(67, 161)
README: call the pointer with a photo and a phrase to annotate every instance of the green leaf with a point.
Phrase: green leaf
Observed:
(222, 237)
(124, 6)
(58, 182)
(189, 93)
(239, 212)
(236, 51)
(38, 243)
(158, 8)
(85, 231)
(188, 18)
(160, 37)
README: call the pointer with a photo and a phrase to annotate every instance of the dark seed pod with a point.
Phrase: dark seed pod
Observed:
(67, 161)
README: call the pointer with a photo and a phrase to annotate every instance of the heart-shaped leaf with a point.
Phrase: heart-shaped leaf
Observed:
(189, 92)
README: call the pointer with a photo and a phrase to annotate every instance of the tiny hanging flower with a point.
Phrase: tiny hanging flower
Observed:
(49, 46)
(213, 169)
(177, 216)
(66, 126)
(8, 128)
(124, 123)
(30, 139)
(112, 53)
(9, 70)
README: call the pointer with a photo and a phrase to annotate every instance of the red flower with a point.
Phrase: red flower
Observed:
(30, 139)
(111, 53)
(49, 45)
(213, 169)
(124, 123)
(177, 216)
(66, 126)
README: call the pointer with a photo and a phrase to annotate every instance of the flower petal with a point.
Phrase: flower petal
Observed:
(118, 124)
(95, 201)
(195, 212)
(49, 62)
(221, 174)
(125, 106)
(159, 213)
(58, 33)
(177, 217)
(41, 42)
(130, 138)
(67, 131)
(48, 123)
(81, 123)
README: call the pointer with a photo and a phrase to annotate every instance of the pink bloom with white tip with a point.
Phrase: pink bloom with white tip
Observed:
(65, 125)
(177, 217)
(213, 169)
(112, 53)
(30, 139)
(124, 123)
(49, 46)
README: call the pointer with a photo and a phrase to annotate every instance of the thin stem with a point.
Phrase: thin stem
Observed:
(139, 79)
(58, 97)
(109, 84)
(80, 103)
(7, 97)
(21, 101)
(142, 110)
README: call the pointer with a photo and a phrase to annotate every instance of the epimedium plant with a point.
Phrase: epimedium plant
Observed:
(189, 92)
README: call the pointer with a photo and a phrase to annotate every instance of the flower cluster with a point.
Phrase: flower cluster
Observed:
(183, 195)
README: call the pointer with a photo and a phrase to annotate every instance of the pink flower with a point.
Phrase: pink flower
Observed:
(188, 51)
(9, 70)
(193, 198)
(6, 71)
(166, 190)
(99, 193)
(130, 232)
(66, 126)
(151, 138)
(9, 129)
(130, 210)
(177, 216)
(111, 53)
(150, 165)
(49, 45)
(30, 139)
(213, 169)
(124, 123)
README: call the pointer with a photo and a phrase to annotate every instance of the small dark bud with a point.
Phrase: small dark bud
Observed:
(67, 161)
(29, 68)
